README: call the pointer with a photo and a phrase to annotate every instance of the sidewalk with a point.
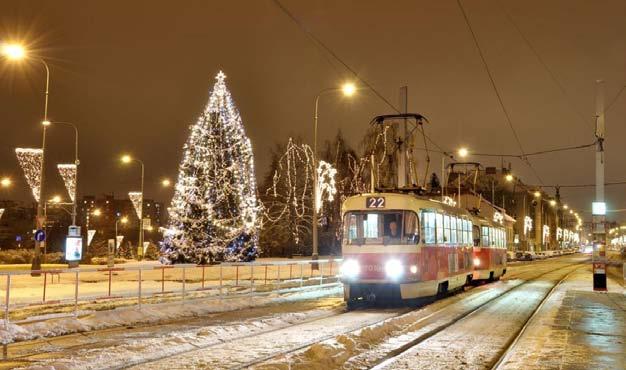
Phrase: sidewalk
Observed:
(576, 328)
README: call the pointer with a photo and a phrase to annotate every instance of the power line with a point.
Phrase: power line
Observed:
(545, 66)
(614, 99)
(535, 153)
(319, 43)
(495, 89)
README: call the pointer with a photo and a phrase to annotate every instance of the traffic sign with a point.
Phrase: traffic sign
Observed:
(40, 235)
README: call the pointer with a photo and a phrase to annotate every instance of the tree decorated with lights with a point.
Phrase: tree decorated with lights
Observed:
(213, 214)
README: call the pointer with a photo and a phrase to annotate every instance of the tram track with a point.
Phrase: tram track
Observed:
(381, 361)
(389, 360)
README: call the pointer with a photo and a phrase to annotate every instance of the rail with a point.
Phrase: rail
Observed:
(64, 292)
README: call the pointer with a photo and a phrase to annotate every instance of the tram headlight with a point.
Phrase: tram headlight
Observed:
(350, 269)
(393, 269)
(476, 262)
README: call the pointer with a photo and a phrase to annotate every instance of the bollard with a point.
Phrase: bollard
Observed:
(221, 282)
(76, 294)
(203, 276)
(45, 275)
(162, 280)
(183, 285)
(139, 289)
(109, 282)
(6, 302)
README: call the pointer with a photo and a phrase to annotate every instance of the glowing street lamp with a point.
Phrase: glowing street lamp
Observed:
(13, 51)
(537, 194)
(348, 90)
(126, 159)
(508, 177)
(552, 202)
(463, 152)
(166, 183)
(97, 212)
(6, 182)
(56, 199)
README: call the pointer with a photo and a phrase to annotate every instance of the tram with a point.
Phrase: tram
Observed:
(403, 246)
(489, 251)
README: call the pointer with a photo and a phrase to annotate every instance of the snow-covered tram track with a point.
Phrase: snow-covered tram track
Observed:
(490, 355)
(380, 344)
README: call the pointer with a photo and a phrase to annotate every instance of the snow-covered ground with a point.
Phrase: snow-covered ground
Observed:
(466, 331)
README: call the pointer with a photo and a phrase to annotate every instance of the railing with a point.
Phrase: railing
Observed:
(62, 291)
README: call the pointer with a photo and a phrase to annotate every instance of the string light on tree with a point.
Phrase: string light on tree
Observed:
(214, 211)
(326, 183)
(68, 174)
(30, 161)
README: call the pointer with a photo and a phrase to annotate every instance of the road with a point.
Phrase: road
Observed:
(488, 326)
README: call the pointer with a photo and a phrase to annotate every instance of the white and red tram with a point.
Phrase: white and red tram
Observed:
(404, 246)
(489, 250)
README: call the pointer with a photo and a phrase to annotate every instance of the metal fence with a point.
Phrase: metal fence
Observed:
(69, 291)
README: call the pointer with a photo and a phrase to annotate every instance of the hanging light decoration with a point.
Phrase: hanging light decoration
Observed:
(68, 174)
(136, 197)
(31, 159)
(1, 212)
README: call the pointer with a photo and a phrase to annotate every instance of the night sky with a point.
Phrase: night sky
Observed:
(134, 74)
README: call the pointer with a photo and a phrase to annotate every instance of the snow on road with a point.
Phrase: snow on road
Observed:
(367, 347)
(240, 353)
(203, 326)
(576, 329)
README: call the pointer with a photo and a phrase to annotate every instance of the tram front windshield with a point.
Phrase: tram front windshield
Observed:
(380, 227)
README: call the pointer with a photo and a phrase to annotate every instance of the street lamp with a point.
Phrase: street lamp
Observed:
(55, 199)
(347, 89)
(508, 177)
(123, 220)
(6, 182)
(463, 152)
(17, 52)
(537, 194)
(76, 162)
(166, 183)
(127, 159)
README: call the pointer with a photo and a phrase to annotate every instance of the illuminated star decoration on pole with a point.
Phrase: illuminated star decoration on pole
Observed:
(528, 225)
(68, 174)
(326, 183)
(214, 211)
(31, 161)
(136, 197)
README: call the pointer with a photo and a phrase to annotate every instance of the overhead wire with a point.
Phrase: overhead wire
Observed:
(495, 89)
(326, 48)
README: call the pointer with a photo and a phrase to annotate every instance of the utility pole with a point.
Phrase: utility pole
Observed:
(599, 205)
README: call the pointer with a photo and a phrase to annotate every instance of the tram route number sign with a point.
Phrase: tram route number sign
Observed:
(375, 202)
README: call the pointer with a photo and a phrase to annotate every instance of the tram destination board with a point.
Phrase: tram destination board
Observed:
(375, 202)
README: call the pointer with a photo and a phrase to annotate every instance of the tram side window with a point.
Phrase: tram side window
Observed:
(439, 218)
(468, 232)
(476, 235)
(430, 229)
(485, 235)
(453, 230)
(446, 229)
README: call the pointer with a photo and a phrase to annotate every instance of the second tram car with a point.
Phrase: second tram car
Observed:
(404, 246)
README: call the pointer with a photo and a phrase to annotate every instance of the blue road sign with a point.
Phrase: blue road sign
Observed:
(40, 235)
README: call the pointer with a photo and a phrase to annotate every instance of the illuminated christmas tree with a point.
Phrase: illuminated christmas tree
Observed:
(213, 214)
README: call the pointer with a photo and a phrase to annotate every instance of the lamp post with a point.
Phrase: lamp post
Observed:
(76, 162)
(126, 159)
(123, 220)
(17, 52)
(347, 89)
